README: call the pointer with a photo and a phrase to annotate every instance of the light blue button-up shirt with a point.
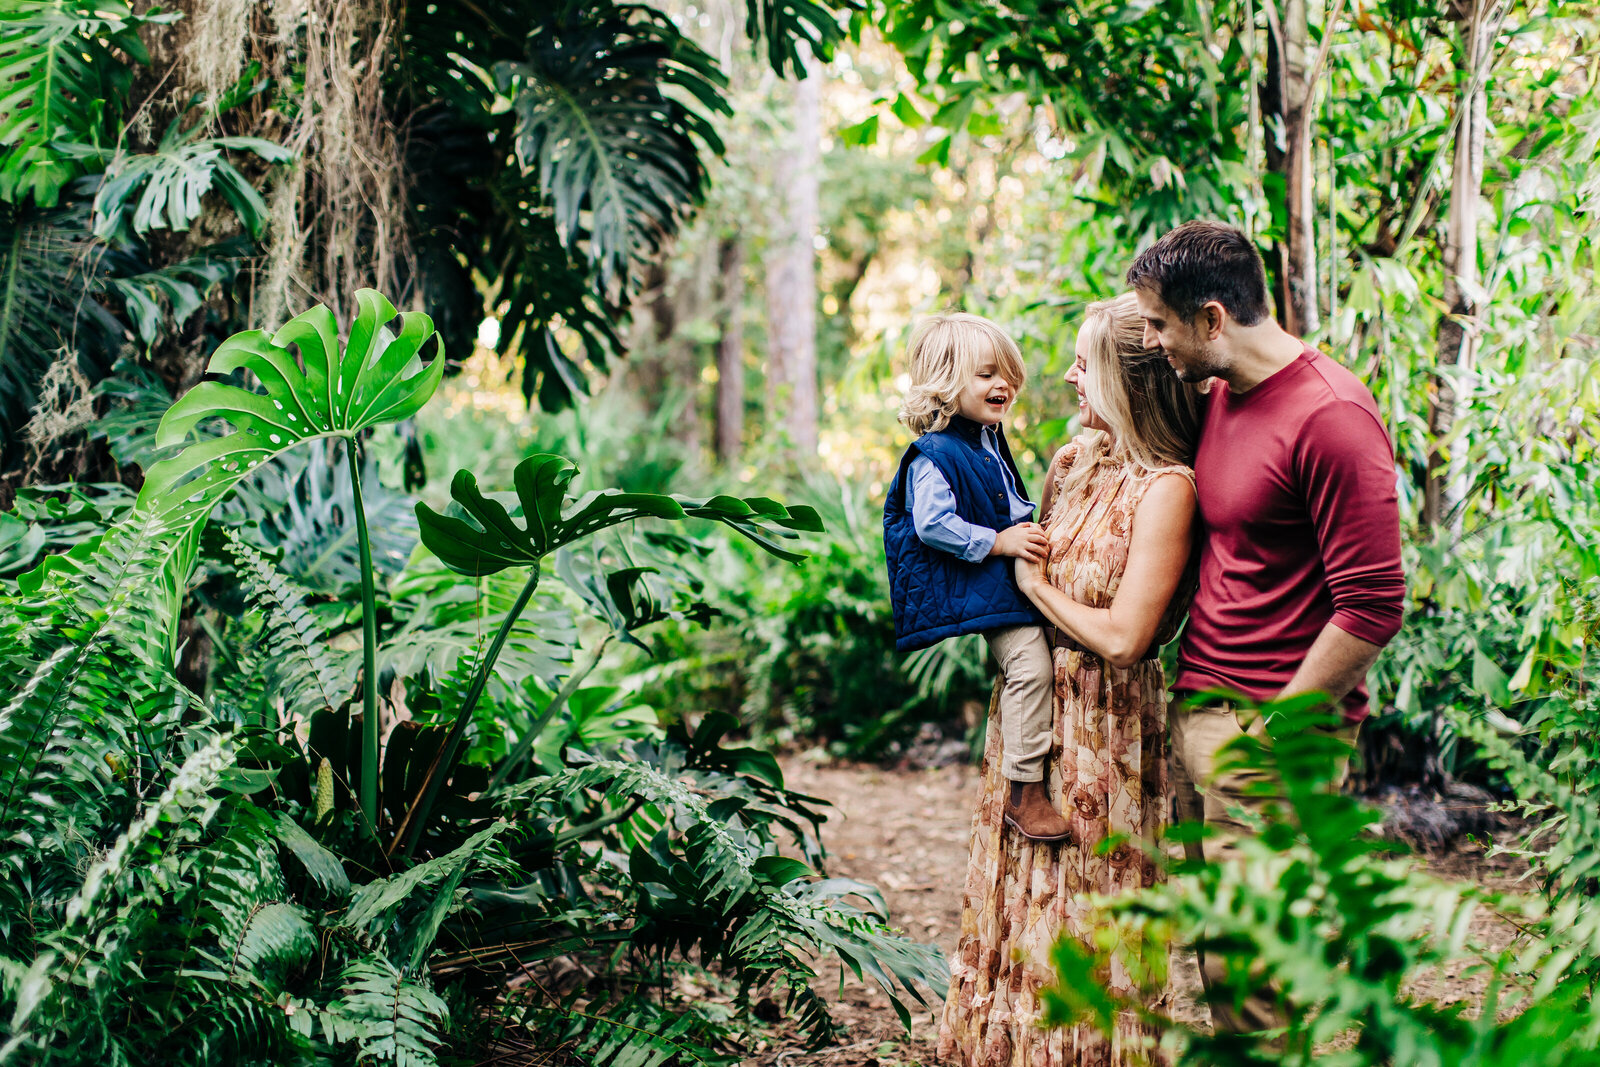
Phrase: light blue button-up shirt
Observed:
(933, 506)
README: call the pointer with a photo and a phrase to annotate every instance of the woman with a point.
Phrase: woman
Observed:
(1119, 507)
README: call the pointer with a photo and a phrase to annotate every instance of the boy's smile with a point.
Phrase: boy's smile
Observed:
(988, 397)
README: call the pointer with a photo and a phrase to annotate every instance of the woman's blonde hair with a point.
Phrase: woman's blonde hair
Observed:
(1154, 418)
(945, 352)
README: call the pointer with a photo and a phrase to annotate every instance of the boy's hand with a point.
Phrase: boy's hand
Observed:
(1025, 540)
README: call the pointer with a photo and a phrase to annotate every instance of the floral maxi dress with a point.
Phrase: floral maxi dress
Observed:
(1107, 773)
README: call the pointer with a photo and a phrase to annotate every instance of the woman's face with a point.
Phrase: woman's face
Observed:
(1081, 378)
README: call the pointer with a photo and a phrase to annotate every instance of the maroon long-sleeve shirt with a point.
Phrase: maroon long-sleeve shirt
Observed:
(1301, 527)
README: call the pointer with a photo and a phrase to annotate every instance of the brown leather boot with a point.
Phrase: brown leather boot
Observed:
(1030, 813)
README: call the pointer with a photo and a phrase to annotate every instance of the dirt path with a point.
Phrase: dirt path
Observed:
(907, 833)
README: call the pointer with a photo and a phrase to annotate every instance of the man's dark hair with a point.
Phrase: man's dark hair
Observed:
(1200, 262)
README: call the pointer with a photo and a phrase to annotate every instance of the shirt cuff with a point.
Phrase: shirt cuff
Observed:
(1375, 628)
(982, 544)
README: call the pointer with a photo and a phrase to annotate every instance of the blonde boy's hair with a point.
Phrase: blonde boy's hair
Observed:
(945, 352)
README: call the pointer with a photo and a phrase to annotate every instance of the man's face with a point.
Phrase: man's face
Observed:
(1187, 349)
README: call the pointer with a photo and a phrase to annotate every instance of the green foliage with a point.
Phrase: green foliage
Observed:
(1313, 909)
(496, 541)
(162, 189)
(1552, 769)
(1150, 97)
(808, 653)
(194, 874)
(64, 85)
(555, 146)
(46, 263)
(599, 119)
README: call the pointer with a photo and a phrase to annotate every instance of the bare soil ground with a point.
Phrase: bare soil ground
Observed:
(906, 831)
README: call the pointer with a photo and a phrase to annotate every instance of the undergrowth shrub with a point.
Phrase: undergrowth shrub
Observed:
(1318, 909)
(389, 802)
(807, 653)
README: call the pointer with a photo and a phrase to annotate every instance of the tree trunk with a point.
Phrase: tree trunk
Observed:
(730, 351)
(791, 275)
(1290, 97)
(1457, 341)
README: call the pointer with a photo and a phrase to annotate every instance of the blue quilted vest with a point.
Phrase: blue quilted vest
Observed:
(935, 593)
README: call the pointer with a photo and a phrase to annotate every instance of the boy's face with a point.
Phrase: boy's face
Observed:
(988, 397)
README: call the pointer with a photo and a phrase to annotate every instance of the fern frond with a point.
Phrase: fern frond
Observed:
(749, 908)
(308, 673)
(375, 907)
(274, 935)
(90, 668)
(186, 803)
(631, 1033)
(390, 1018)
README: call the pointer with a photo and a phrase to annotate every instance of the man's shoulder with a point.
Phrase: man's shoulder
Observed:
(1334, 384)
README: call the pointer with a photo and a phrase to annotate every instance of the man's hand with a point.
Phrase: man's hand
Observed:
(1025, 540)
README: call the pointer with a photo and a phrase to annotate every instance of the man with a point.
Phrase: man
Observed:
(1300, 579)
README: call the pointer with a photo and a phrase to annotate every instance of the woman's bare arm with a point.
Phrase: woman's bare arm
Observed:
(1158, 553)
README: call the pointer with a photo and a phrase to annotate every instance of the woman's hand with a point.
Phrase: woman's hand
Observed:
(1029, 575)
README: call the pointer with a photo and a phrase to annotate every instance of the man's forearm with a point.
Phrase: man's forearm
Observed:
(1336, 663)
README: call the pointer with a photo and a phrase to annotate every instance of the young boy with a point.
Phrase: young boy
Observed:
(956, 516)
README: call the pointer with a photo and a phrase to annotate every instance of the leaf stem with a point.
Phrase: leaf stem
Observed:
(369, 644)
(410, 830)
(525, 745)
(579, 832)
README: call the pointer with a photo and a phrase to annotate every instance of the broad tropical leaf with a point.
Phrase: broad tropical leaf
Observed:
(301, 507)
(786, 26)
(154, 298)
(162, 189)
(333, 390)
(616, 153)
(487, 539)
(60, 81)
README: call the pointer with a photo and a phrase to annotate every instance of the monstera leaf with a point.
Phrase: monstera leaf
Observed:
(487, 538)
(376, 377)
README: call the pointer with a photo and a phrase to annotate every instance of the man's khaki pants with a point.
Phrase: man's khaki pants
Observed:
(1202, 795)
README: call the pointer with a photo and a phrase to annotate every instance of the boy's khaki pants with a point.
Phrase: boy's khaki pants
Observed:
(1201, 795)
(1027, 695)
